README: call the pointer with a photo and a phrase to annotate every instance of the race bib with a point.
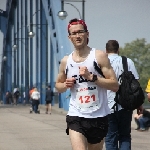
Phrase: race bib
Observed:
(87, 99)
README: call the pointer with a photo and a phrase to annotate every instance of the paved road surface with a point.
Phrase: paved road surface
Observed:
(20, 130)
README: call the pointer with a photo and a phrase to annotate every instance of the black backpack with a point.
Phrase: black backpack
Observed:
(130, 94)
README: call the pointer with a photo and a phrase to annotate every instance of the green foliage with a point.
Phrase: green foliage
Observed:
(139, 52)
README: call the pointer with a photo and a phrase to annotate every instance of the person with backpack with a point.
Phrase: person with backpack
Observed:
(119, 130)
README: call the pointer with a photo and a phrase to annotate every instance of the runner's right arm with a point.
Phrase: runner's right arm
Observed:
(61, 78)
(62, 83)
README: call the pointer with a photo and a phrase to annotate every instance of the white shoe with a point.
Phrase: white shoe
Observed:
(38, 111)
(30, 110)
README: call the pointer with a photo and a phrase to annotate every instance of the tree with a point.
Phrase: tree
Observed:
(139, 52)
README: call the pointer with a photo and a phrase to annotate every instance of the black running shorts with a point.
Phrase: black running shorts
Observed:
(94, 129)
(48, 102)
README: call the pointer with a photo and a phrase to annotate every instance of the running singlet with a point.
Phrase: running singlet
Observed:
(87, 99)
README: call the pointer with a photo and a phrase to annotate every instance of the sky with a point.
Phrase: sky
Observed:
(121, 20)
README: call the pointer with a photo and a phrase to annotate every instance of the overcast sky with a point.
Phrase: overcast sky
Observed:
(122, 20)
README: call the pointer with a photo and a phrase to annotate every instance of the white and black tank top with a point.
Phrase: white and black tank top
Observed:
(87, 99)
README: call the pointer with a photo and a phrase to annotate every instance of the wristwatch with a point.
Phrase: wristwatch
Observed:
(94, 78)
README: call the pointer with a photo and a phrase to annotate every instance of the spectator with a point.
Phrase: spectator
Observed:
(148, 90)
(142, 120)
(11, 97)
(16, 96)
(119, 130)
(35, 100)
(30, 93)
(24, 98)
(48, 99)
(8, 97)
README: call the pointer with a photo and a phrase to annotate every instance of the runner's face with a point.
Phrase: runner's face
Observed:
(78, 36)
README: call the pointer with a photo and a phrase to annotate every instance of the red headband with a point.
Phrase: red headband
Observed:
(78, 22)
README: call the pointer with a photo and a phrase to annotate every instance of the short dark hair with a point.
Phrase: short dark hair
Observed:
(77, 21)
(112, 46)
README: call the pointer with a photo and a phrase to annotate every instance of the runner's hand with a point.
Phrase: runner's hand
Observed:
(69, 82)
(83, 71)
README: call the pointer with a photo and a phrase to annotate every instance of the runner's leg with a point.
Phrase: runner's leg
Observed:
(98, 146)
(78, 140)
